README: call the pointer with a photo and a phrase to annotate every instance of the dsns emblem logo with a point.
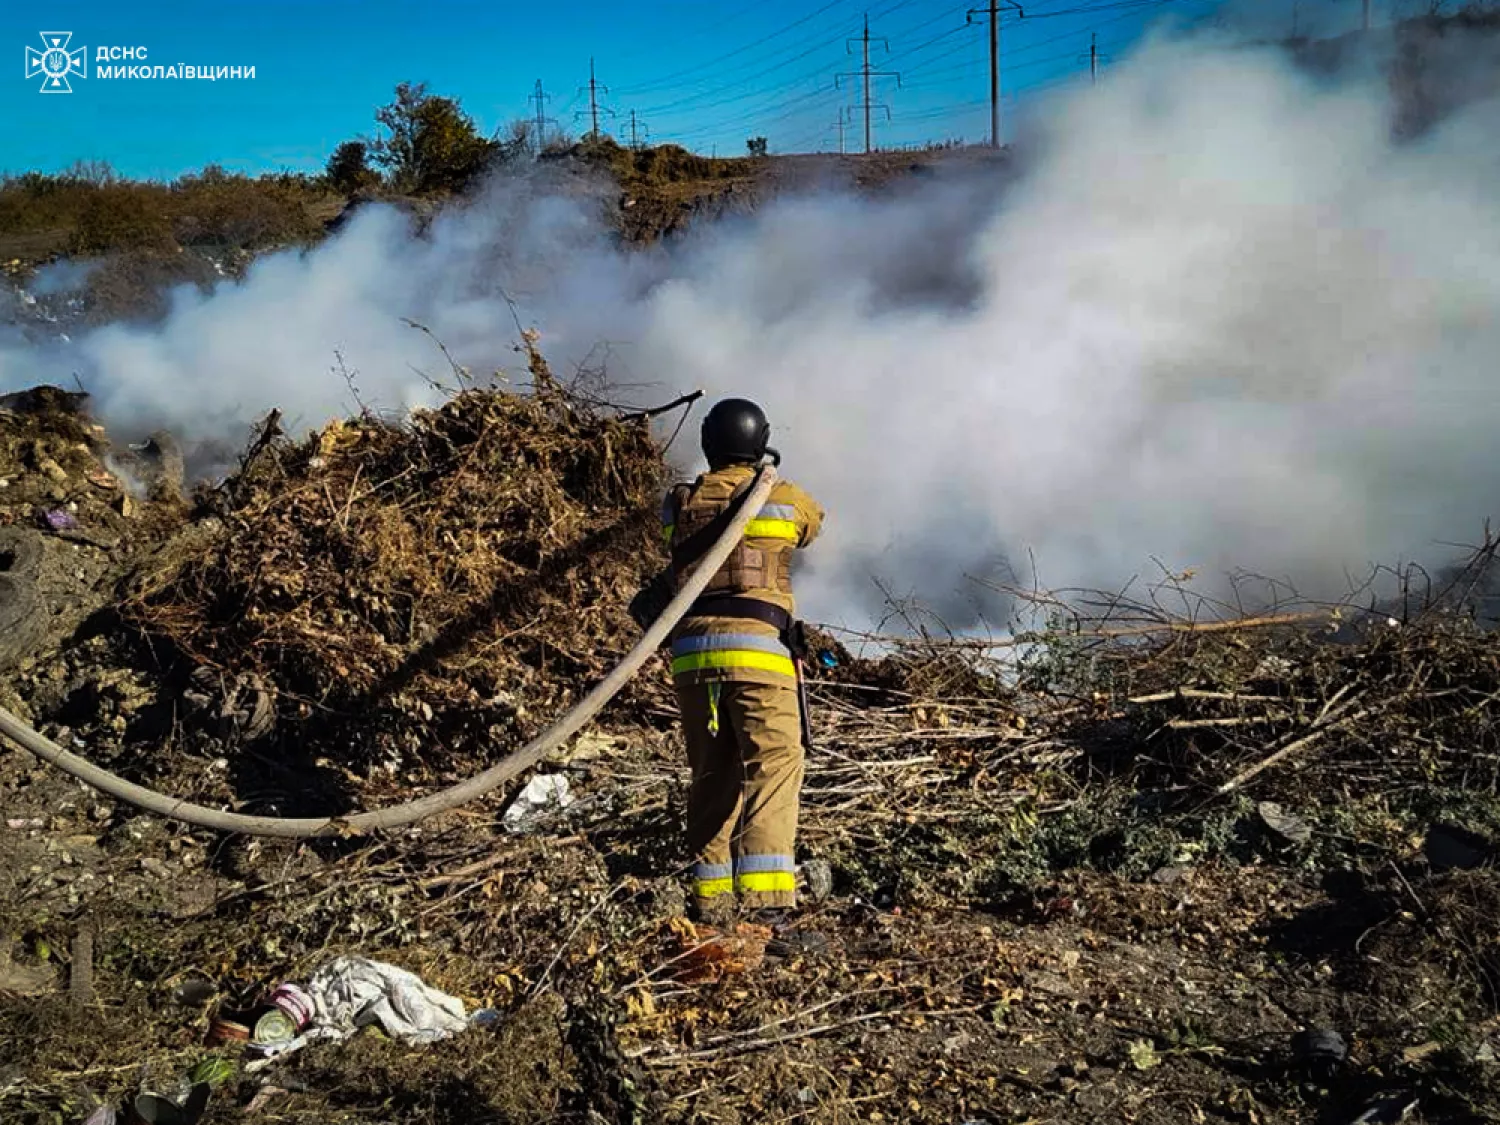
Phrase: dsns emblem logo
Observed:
(56, 62)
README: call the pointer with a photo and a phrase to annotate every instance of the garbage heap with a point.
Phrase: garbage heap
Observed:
(399, 598)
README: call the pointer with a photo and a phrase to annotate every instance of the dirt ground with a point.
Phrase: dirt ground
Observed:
(1044, 905)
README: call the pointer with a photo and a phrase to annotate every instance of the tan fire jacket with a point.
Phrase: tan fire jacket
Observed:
(743, 650)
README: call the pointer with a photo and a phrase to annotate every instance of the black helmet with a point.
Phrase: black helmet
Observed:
(735, 430)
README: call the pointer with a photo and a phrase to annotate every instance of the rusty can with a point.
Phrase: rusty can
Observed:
(222, 1029)
(296, 1003)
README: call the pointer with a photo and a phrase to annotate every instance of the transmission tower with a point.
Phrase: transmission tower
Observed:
(995, 9)
(866, 74)
(634, 141)
(541, 99)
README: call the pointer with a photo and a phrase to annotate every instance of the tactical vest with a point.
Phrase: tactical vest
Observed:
(748, 569)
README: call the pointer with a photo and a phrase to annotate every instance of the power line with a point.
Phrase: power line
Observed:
(781, 65)
(769, 96)
(753, 104)
(1139, 5)
(666, 82)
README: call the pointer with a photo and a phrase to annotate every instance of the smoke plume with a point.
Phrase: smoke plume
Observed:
(1213, 319)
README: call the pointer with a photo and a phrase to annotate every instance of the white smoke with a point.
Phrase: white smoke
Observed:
(1219, 320)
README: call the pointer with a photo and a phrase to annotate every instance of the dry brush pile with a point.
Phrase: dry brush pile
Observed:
(411, 596)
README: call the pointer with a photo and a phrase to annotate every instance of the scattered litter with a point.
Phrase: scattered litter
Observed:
(104, 1115)
(274, 1027)
(544, 795)
(211, 1072)
(1273, 668)
(263, 1097)
(60, 519)
(267, 1053)
(158, 1109)
(1292, 829)
(351, 992)
(222, 1029)
(298, 1006)
(819, 876)
(1388, 1110)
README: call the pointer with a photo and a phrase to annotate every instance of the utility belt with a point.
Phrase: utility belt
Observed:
(793, 633)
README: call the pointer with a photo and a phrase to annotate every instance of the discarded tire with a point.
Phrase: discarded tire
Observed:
(23, 618)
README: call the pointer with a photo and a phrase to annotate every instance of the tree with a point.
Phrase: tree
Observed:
(349, 170)
(757, 146)
(433, 145)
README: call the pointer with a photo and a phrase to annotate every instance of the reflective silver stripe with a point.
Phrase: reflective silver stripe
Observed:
(778, 512)
(712, 871)
(752, 864)
(715, 642)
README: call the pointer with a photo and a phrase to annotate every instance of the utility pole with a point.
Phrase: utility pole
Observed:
(866, 74)
(593, 88)
(634, 142)
(994, 10)
(839, 124)
(1094, 57)
(593, 97)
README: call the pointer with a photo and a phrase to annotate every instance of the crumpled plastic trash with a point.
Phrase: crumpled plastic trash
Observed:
(352, 992)
(544, 795)
(1292, 829)
(60, 519)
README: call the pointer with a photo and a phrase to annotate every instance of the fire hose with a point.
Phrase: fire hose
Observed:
(398, 816)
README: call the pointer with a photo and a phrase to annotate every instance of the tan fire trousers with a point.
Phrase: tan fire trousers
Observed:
(744, 744)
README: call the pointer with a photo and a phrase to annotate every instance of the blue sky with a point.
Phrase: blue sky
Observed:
(707, 75)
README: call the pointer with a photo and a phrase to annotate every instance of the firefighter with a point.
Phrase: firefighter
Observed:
(734, 673)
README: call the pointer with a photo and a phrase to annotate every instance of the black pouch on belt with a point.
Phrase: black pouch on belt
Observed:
(652, 600)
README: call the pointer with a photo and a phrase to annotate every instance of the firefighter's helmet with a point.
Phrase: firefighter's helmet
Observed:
(735, 431)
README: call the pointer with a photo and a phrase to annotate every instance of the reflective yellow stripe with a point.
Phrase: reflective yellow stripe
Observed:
(666, 533)
(712, 888)
(771, 529)
(767, 881)
(733, 658)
